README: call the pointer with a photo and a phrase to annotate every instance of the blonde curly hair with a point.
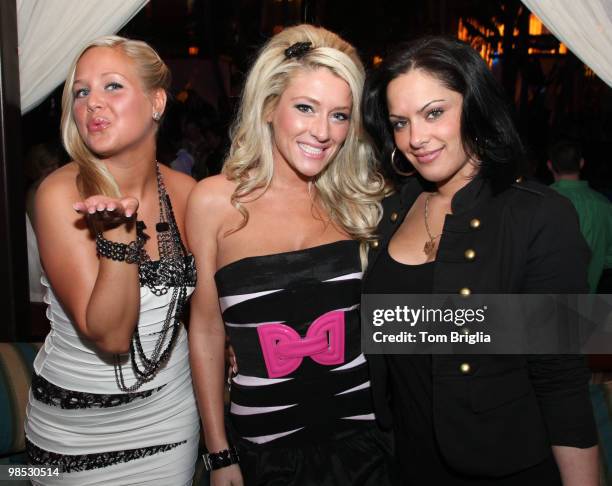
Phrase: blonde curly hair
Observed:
(350, 187)
(94, 177)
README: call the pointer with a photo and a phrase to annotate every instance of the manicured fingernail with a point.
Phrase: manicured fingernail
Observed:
(128, 214)
(91, 210)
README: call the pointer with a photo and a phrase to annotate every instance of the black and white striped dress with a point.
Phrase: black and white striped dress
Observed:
(293, 320)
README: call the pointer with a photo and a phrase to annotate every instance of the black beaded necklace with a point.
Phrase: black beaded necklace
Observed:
(169, 273)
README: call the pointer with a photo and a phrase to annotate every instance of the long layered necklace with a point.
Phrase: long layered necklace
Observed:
(169, 274)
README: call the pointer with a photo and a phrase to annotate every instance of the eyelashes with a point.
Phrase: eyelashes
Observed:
(80, 93)
(398, 124)
(304, 108)
(341, 116)
(113, 86)
(431, 115)
(337, 116)
(83, 92)
(434, 114)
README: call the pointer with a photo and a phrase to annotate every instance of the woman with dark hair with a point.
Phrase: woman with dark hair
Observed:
(462, 223)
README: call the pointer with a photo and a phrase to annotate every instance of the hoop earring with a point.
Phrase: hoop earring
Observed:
(396, 169)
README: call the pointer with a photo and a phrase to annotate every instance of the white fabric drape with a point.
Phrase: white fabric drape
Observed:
(584, 26)
(37, 291)
(52, 32)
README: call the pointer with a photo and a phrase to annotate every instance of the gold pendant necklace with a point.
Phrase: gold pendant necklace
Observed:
(430, 245)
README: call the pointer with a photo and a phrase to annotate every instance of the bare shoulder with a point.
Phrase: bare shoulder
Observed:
(209, 208)
(213, 192)
(54, 199)
(176, 178)
(178, 184)
(61, 231)
(60, 184)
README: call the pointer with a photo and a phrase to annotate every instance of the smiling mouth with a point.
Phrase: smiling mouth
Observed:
(310, 151)
(426, 157)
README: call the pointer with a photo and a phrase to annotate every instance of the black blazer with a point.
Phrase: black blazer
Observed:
(500, 414)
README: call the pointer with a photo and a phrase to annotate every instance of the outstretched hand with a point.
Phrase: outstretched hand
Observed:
(105, 212)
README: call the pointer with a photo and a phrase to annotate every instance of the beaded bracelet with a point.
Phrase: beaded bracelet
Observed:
(120, 252)
(224, 458)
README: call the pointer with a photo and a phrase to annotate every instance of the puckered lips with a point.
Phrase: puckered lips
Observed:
(97, 124)
(426, 157)
(313, 151)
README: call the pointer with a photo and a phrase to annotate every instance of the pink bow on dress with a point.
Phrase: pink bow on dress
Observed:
(283, 348)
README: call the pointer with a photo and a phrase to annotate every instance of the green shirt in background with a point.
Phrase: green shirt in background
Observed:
(595, 215)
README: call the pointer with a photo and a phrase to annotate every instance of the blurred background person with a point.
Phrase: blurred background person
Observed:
(594, 210)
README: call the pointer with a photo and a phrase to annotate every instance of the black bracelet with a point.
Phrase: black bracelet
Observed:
(120, 252)
(224, 458)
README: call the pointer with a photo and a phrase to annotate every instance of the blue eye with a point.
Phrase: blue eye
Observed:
(113, 86)
(80, 93)
(341, 116)
(435, 113)
(304, 108)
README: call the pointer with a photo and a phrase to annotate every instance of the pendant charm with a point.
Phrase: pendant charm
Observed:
(429, 247)
(162, 226)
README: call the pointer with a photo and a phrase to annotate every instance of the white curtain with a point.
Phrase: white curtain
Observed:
(52, 32)
(584, 26)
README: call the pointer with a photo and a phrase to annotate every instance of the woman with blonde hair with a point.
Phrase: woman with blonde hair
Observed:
(280, 242)
(111, 399)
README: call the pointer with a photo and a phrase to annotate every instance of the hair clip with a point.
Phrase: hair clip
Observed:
(297, 50)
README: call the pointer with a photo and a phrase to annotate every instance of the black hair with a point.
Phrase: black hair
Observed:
(488, 132)
(565, 157)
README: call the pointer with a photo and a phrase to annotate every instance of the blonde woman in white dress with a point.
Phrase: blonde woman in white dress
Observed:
(111, 401)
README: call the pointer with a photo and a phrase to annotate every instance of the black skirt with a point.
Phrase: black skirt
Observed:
(359, 458)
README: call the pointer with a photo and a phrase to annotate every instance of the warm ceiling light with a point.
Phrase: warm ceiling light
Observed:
(193, 50)
(535, 25)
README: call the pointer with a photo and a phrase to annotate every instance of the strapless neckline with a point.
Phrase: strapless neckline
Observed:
(289, 253)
